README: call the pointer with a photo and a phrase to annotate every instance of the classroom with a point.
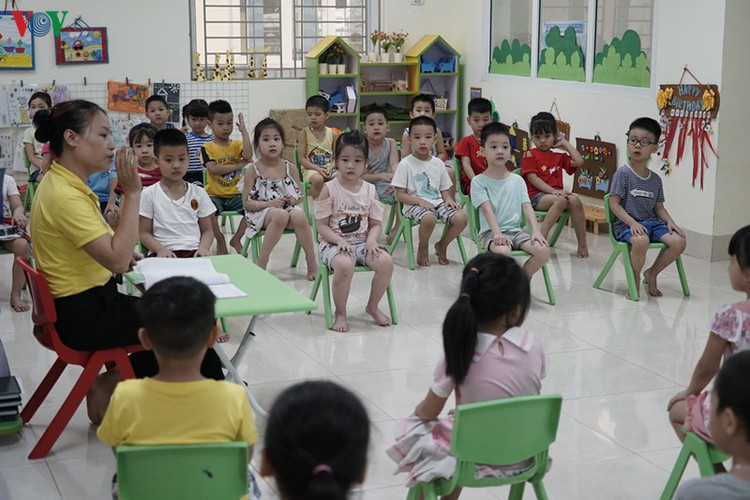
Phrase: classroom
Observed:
(310, 138)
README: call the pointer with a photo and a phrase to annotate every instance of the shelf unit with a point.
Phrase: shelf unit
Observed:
(430, 48)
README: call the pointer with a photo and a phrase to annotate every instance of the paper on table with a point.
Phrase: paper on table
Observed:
(155, 269)
(227, 291)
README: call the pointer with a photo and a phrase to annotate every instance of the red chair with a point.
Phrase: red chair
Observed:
(44, 316)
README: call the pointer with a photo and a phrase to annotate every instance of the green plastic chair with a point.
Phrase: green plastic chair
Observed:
(205, 471)
(305, 186)
(559, 226)
(500, 433)
(31, 186)
(324, 278)
(405, 230)
(706, 454)
(473, 213)
(620, 247)
(256, 242)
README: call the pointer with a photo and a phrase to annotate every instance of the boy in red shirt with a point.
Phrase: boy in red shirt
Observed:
(468, 151)
(543, 168)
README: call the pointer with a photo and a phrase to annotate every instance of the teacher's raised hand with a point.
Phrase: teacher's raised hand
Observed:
(127, 171)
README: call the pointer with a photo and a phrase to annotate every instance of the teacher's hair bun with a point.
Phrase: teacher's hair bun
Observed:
(43, 124)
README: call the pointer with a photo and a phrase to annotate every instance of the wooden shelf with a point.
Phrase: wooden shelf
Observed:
(405, 63)
(390, 92)
(345, 75)
(437, 74)
(342, 115)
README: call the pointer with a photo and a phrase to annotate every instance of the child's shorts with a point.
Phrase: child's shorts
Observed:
(655, 229)
(537, 198)
(228, 204)
(517, 239)
(330, 250)
(443, 212)
(308, 173)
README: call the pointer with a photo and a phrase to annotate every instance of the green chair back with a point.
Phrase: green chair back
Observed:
(206, 471)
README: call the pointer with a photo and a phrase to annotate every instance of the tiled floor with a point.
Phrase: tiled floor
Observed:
(616, 363)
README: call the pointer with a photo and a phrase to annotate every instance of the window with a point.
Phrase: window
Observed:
(276, 33)
(593, 41)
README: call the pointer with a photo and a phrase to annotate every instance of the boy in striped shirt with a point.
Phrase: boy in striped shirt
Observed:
(195, 114)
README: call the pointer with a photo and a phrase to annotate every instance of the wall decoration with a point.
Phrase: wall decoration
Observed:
(511, 58)
(622, 62)
(599, 165)
(171, 93)
(127, 97)
(687, 112)
(16, 50)
(81, 45)
(519, 144)
(562, 127)
(563, 59)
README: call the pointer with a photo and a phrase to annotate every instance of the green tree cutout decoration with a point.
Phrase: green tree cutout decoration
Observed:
(563, 58)
(622, 62)
(511, 58)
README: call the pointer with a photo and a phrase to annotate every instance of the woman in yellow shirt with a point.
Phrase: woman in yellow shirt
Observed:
(77, 250)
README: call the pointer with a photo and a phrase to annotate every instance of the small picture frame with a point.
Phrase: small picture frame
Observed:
(475, 92)
(82, 45)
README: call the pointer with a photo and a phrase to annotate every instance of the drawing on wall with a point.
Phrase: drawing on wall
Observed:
(171, 93)
(562, 57)
(82, 45)
(511, 58)
(622, 62)
(127, 97)
(16, 50)
(519, 144)
(599, 165)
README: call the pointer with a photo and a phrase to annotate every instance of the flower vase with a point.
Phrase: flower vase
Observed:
(398, 57)
(385, 57)
(372, 57)
(341, 69)
(323, 68)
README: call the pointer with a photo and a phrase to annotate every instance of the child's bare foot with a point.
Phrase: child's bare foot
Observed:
(389, 237)
(236, 244)
(312, 268)
(223, 337)
(378, 315)
(423, 259)
(637, 287)
(649, 279)
(442, 253)
(17, 304)
(583, 251)
(339, 323)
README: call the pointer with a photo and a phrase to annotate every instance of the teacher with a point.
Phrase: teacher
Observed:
(78, 252)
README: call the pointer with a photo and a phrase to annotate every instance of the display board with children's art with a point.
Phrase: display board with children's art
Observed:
(599, 165)
(16, 40)
(171, 93)
(81, 45)
(519, 144)
(127, 97)
(687, 113)
(292, 121)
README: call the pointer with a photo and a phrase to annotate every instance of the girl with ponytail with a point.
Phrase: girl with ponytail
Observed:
(316, 442)
(487, 356)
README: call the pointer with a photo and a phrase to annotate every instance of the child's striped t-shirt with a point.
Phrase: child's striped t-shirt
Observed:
(194, 150)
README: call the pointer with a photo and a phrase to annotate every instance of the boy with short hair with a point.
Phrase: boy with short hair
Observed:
(175, 215)
(423, 186)
(157, 112)
(503, 203)
(423, 105)
(637, 200)
(225, 160)
(178, 405)
(141, 139)
(195, 114)
(469, 149)
(315, 145)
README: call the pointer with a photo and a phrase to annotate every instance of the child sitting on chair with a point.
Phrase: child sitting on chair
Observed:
(730, 427)
(349, 216)
(175, 214)
(33, 148)
(316, 442)
(315, 145)
(423, 186)
(13, 215)
(178, 405)
(543, 168)
(503, 204)
(141, 139)
(637, 200)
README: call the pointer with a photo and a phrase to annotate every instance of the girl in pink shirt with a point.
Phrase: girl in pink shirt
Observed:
(487, 356)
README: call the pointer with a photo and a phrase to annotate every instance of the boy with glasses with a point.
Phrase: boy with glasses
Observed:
(637, 200)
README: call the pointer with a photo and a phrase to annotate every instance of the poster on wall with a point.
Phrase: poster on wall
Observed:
(84, 45)
(519, 144)
(599, 165)
(16, 50)
(171, 93)
(127, 97)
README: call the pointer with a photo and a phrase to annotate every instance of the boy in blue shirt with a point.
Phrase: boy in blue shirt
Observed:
(503, 203)
(637, 200)
(103, 185)
(195, 114)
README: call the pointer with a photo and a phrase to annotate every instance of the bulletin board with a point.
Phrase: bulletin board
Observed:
(599, 165)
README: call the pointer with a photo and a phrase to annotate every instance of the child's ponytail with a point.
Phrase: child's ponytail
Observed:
(493, 287)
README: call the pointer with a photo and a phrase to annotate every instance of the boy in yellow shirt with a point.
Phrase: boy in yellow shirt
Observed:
(315, 145)
(179, 405)
(225, 160)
